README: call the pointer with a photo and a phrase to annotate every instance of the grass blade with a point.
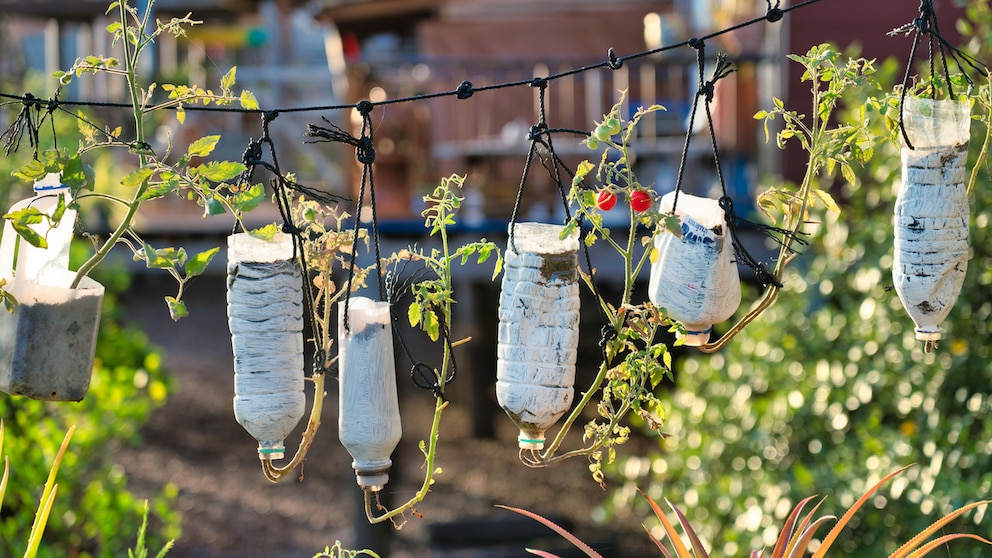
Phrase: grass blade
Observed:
(659, 544)
(846, 518)
(798, 549)
(557, 529)
(47, 497)
(785, 536)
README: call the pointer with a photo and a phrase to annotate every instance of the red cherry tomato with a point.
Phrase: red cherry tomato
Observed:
(605, 200)
(640, 201)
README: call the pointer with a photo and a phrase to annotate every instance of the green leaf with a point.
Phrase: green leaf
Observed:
(203, 146)
(413, 314)
(227, 81)
(137, 176)
(581, 171)
(213, 206)
(827, 199)
(177, 308)
(199, 262)
(248, 101)
(163, 258)
(22, 220)
(219, 171)
(266, 233)
(248, 199)
(432, 325)
(673, 224)
(155, 191)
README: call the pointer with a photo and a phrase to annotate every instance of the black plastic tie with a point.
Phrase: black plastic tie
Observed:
(464, 90)
(364, 107)
(774, 15)
(614, 61)
(539, 82)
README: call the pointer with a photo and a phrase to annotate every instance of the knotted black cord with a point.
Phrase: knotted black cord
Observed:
(253, 157)
(706, 91)
(927, 25)
(27, 122)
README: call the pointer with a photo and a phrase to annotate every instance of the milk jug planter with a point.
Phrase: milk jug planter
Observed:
(369, 416)
(695, 279)
(265, 315)
(932, 213)
(538, 331)
(47, 343)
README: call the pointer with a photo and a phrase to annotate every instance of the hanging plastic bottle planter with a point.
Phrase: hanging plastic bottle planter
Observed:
(369, 413)
(47, 343)
(932, 212)
(265, 315)
(538, 332)
(695, 278)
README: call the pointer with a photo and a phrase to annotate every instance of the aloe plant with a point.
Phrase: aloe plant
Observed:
(796, 537)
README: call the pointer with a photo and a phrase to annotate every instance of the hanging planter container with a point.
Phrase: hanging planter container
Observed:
(538, 332)
(47, 343)
(695, 278)
(369, 413)
(265, 315)
(932, 212)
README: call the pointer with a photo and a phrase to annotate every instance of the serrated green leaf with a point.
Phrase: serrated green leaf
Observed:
(219, 171)
(181, 114)
(155, 191)
(413, 314)
(213, 206)
(827, 199)
(248, 101)
(29, 234)
(673, 224)
(198, 263)
(137, 176)
(177, 308)
(266, 233)
(163, 258)
(848, 174)
(247, 199)
(203, 146)
(432, 326)
(227, 81)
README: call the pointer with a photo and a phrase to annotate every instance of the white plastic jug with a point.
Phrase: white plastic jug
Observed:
(538, 332)
(695, 279)
(369, 413)
(44, 266)
(932, 212)
(265, 315)
(47, 343)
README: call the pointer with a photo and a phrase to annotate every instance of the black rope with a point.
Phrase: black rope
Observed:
(926, 24)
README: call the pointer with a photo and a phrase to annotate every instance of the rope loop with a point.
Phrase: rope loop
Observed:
(464, 90)
(614, 61)
(365, 151)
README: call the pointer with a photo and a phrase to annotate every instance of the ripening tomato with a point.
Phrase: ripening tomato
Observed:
(640, 201)
(605, 200)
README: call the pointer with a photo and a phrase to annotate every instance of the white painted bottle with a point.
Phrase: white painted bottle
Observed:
(695, 279)
(265, 315)
(932, 212)
(44, 266)
(538, 332)
(369, 412)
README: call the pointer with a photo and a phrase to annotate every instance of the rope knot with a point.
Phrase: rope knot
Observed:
(536, 131)
(774, 15)
(696, 43)
(464, 90)
(253, 154)
(364, 107)
(539, 82)
(269, 116)
(608, 334)
(365, 151)
(290, 228)
(614, 61)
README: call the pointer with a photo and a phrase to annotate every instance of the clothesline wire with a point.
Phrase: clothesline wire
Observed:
(463, 91)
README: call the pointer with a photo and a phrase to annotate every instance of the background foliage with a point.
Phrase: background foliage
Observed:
(829, 390)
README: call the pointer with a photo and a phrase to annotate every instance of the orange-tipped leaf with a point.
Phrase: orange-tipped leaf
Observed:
(659, 544)
(557, 529)
(807, 534)
(911, 544)
(785, 536)
(680, 549)
(846, 518)
(941, 541)
(697, 545)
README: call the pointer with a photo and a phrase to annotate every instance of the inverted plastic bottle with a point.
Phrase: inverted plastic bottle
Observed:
(44, 266)
(932, 213)
(538, 335)
(695, 278)
(265, 315)
(369, 413)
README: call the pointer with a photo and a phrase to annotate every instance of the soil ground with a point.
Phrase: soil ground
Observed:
(231, 511)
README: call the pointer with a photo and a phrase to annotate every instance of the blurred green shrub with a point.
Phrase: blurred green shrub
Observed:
(829, 389)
